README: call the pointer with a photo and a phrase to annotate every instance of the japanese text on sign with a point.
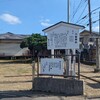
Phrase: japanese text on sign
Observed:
(68, 40)
(51, 66)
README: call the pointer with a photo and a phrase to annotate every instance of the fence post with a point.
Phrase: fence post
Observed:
(38, 67)
(78, 66)
(33, 72)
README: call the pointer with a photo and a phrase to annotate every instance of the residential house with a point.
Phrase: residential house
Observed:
(88, 44)
(10, 44)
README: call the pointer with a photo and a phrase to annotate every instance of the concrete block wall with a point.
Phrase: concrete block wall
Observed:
(60, 86)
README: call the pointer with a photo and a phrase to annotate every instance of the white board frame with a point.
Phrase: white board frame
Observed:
(64, 40)
(51, 66)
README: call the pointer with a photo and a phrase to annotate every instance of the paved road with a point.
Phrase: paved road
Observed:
(30, 95)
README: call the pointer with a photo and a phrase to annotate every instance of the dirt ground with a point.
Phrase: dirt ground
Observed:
(92, 88)
(15, 76)
(19, 77)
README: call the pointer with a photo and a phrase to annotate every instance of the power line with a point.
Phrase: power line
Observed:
(88, 14)
(94, 22)
(82, 13)
(73, 7)
(77, 9)
(83, 21)
(86, 18)
(95, 9)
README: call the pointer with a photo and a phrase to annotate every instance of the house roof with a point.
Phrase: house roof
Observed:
(12, 36)
(87, 31)
(62, 22)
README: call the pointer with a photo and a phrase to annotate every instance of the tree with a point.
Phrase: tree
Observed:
(36, 43)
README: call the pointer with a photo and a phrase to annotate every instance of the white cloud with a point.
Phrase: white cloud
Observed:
(45, 22)
(96, 28)
(10, 19)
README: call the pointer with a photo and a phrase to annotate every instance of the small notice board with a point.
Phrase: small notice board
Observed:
(52, 66)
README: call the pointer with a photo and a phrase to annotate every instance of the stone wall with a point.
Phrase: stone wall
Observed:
(60, 86)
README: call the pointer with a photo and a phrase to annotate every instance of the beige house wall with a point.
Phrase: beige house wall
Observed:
(9, 49)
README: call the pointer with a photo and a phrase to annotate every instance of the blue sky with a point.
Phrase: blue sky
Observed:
(31, 16)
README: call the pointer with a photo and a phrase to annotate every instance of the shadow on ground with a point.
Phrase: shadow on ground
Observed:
(26, 93)
(94, 85)
(16, 94)
(87, 72)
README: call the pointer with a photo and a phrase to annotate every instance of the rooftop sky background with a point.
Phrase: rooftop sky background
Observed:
(32, 16)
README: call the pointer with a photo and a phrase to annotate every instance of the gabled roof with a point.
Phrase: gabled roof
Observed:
(10, 35)
(87, 31)
(62, 22)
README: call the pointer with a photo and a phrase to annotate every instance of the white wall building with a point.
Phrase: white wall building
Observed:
(10, 44)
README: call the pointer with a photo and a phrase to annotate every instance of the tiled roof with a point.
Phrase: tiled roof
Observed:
(10, 35)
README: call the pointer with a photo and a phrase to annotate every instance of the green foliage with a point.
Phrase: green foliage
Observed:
(23, 44)
(36, 43)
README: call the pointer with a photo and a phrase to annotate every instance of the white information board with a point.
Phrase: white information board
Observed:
(52, 66)
(67, 40)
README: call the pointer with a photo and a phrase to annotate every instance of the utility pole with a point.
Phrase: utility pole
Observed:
(68, 11)
(67, 51)
(69, 71)
(90, 23)
(99, 23)
(97, 69)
